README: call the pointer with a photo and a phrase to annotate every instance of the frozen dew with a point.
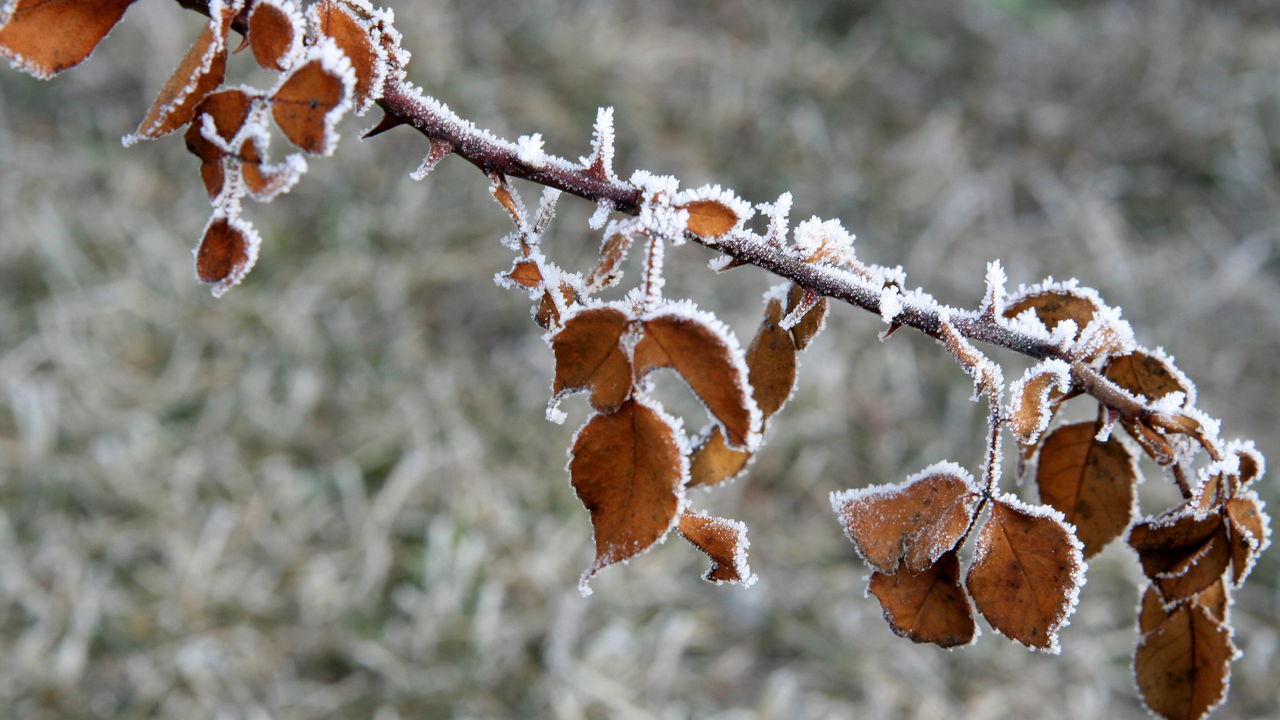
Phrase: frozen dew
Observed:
(529, 150)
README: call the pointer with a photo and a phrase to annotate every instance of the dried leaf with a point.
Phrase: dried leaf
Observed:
(1032, 399)
(916, 521)
(814, 319)
(704, 352)
(1182, 666)
(628, 470)
(1026, 573)
(276, 33)
(312, 98)
(360, 41)
(1055, 305)
(525, 273)
(1092, 482)
(709, 218)
(771, 362)
(198, 75)
(1181, 553)
(227, 251)
(928, 606)
(1148, 375)
(589, 356)
(714, 462)
(613, 250)
(1250, 533)
(1153, 611)
(724, 541)
(45, 37)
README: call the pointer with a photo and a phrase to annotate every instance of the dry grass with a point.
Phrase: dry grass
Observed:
(331, 493)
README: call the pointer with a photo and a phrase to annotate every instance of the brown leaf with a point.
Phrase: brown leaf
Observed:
(704, 352)
(1181, 553)
(1054, 306)
(312, 98)
(1182, 666)
(1153, 611)
(1090, 481)
(198, 75)
(1026, 573)
(359, 41)
(1250, 533)
(1031, 406)
(1148, 375)
(227, 251)
(714, 462)
(547, 314)
(813, 321)
(915, 521)
(709, 218)
(928, 606)
(275, 34)
(589, 356)
(1251, 462)
(525, 273)
(722, 540)
(771, 362)
(628, 470)
(45, 37)
(613, 250)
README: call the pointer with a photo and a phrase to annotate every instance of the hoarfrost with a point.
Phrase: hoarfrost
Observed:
(994, 297)
(890, 304)
(1041, 379)
(601, 160)
(529, 150)
(439, 150)
(778, 212)
(601, 215)
(334, 62)
(824, 241)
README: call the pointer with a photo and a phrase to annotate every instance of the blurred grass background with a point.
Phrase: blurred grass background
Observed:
(332, 492)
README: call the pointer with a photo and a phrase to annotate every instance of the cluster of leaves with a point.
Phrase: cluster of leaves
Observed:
(632, 464)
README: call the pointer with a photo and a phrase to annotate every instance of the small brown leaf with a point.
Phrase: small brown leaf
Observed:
(1153, 611)
(1181, 553)
(704, 352)
(928, 606)
(613, 250)
(1031, 404)
(771, 362)
(813, 321)
(275, 33)
(1148, 375)
(1250, 533)
(525, 273)
(1026, 573)
(1054, 306)
(1251, 462)
(508, 200)
(709, 218)
(1182, 666)
(312, 98)
(589, 356)
(628, 470)
(724, 541)
(198, 75)
(227, 251)
(45, 37)
(915, 521)
(714, 462)
(359, 40)
(1092, 482)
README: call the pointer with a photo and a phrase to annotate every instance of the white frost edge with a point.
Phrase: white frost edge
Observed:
(231, 213)
(373, 31)
(291, 10)
(1060, 371)
(740, 564)
(333, 61)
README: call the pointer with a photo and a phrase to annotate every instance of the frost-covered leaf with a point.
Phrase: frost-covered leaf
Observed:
(771, 361)
(613, 250)
(628, 469)
(199, 73)
(1250, 532)
(589, 356)
(526, 274)
(548, 312)
(714, 462)
(812, 319)
(227, 251)
(1149, 375)
(359, 40)
(310, 100)
(710, 218)
(1053, 303)
(1250, 463)
(916, 521)
(1183, 665)
(824, 241)
(264, 181)
(45, 37)
(927, 606)
(1182, 552)
(722, 540)
(1026, 572)
(1031, 399)
(1091, 481)
(705, 353)
(276, 31)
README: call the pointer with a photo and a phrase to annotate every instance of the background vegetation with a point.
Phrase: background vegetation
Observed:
(332, 493)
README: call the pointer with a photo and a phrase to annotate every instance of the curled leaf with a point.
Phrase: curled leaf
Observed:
(276, 33)
(227, 251)
(1053, 303)
(1091, 481)
(812, 310)
(628, 469)
(722, 540)
(45, 37)
(1181, 552)
(714, 462)
(360, 40)
(1026, 573)
(310, 100)
(1031, 399)
(1250, 532)
(613, 250)
(1149, 375)
(927, 606)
